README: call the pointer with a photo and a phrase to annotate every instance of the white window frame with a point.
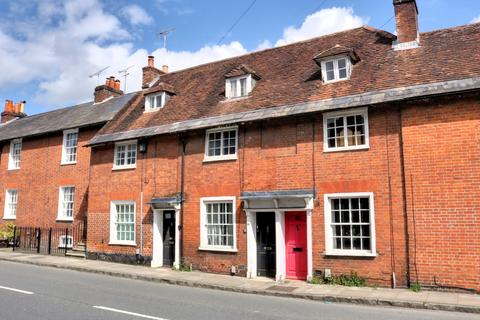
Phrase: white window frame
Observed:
(11, 161)
(113, 229)
(7, 213)
(335, 59)
(64, 160)
(221, 157)
(164, 99)
(344, 113)
(61, 216)
(248, 86)
(329, 249)
(125, 166)
(203, 230)
(68, 244)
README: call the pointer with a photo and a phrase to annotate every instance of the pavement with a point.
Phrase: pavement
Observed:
(43, 293)
(433, 300)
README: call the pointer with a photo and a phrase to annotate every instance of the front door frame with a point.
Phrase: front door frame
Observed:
(251, 214)
(157, 247)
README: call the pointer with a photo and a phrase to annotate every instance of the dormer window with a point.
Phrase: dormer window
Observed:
(336, 69)
(156, 101)
(239, 86)
(336, 63)
(240, 81)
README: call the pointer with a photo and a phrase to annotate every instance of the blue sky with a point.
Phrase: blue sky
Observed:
(49, 47)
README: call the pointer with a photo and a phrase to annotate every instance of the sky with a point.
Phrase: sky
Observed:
(49, 48)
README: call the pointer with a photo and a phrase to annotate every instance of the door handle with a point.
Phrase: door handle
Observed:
(267, 248)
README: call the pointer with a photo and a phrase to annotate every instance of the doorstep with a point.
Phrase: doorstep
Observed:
(446, 301)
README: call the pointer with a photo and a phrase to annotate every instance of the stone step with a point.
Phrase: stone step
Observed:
(75, 254)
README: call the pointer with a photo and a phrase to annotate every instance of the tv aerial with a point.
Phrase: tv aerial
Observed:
(98, 73)
(124, 74)
(164, 33)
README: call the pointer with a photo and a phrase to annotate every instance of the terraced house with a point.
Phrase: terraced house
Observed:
(352, 152)
(44, 164)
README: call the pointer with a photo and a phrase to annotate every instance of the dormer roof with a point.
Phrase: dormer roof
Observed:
(160, 86)
(335, 51)
(242, 70)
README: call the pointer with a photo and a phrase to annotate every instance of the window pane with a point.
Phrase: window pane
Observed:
(350, 224)
(342, 63)
(329, 66)
(243, 87)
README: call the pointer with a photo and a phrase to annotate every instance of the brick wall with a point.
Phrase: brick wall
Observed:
(273, 155)
(288, 154)
(442, 153)
(40, 176)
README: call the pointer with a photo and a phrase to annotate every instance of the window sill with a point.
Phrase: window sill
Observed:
(115, 168)
(64, 219)
(9, 218)
(220, 158)
(13, 169)
(218, 249)
(343, 149)
(68, 163)
(126, 244)
(350, 254)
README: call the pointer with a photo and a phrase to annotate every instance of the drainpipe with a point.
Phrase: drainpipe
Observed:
(182, 198)
(404, 195)
(141, 224)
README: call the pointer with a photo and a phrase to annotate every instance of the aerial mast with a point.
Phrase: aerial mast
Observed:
(98, 73)
(124, 74)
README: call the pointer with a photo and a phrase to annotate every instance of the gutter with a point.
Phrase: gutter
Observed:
(368, 98)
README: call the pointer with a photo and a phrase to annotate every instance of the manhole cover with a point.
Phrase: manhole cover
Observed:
(282, 288)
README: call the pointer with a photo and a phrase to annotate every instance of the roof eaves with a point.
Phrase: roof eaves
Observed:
(368, 98)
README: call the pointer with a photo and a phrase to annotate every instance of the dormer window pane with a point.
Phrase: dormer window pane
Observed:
(239, 86)
(233, 88)
(158, 101)
(336, 69)
(243, 87)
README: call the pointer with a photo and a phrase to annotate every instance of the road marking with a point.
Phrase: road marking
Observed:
(129, 313)
(16, 290)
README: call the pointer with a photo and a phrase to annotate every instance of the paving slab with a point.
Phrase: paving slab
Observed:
(293, 289)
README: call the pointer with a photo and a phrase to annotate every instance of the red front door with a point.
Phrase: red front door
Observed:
(296, 244)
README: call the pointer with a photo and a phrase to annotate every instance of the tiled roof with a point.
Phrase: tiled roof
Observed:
(82, 115)
(290, 76)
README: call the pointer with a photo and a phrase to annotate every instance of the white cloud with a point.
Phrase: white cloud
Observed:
(475, 20)
(322, 22)
(136, 15)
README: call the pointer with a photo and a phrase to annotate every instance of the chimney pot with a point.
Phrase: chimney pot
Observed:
(151, 61)
(406, 17)
(8, 106)
(165, 68)
(117, 84)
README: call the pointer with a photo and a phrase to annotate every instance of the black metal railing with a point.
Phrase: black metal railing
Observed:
(51, 241)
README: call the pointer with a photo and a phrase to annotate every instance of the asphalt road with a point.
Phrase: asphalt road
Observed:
(40, 293)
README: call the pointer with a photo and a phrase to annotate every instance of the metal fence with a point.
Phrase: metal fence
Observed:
(51, 241)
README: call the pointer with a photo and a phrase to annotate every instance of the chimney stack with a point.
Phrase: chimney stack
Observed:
(13, 111)
(406, 17)
(110, 89)
(150, 73)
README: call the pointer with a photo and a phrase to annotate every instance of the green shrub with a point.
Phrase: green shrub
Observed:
(415, 287)
(352, 280)
(6, 233)
(316, 280)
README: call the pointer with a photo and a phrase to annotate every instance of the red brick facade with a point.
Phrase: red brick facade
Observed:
(288, 154)
(41, 175)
